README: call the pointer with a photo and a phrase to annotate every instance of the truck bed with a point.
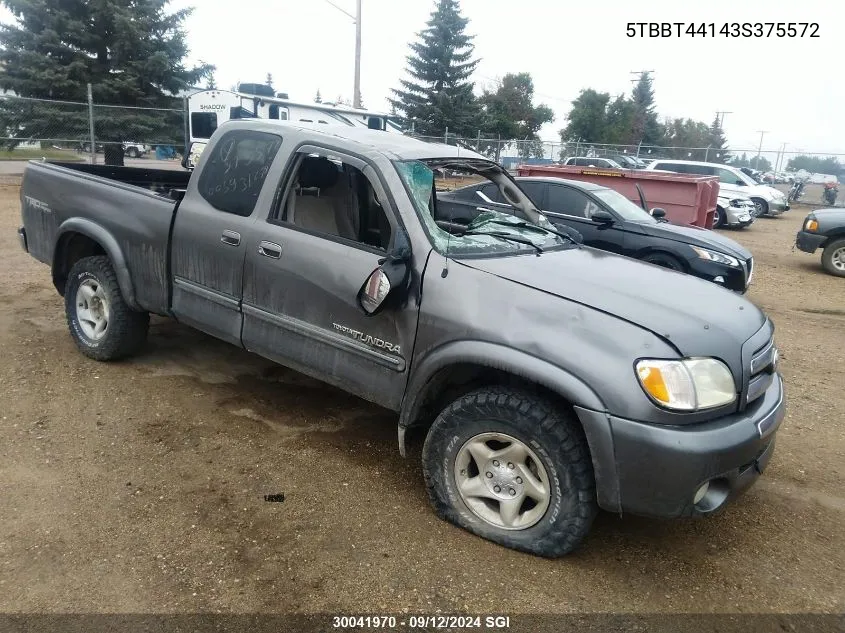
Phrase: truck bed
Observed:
(126, 211)
(170, 183)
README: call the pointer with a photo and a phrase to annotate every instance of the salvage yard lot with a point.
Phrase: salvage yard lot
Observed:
(139, 486)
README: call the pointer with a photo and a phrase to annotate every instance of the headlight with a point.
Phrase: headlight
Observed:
(811, 224)
(713, 256)
(737, 202)
(687, 385)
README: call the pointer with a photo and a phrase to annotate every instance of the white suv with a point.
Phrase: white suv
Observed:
(767, 200)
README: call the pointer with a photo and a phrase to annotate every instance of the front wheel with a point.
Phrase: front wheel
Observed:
(665, 260)
(512, 468)
(102, 325)
(761, 207)
(833, 258)
(132, 152)
(718, 218)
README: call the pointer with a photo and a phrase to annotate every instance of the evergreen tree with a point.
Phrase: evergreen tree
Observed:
(318, 98)
(645, 127)
(439, 93)
(132, 53)
(718, 143)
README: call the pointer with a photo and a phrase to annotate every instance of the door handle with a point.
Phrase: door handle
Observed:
(232, 238)
(269, 249)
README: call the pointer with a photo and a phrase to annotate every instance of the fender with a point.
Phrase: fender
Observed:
(105, 239)
(495, 356)
(588, 406)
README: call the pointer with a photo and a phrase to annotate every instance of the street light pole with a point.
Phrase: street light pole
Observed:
(356, 19)
(356, 93)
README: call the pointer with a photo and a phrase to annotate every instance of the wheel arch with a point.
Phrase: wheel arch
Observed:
(78, 238)
(455, 369)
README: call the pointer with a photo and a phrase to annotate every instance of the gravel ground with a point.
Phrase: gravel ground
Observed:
(139, 486)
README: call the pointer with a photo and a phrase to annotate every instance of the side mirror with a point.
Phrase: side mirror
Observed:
(390, 279)
(657, 212)
(192, 156)
(603, 217)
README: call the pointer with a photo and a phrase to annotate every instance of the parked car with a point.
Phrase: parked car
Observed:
(629, 162)
(767, 200)
(608, 220)
(549, 378)
(135, 150)
(825, 229)
(586, 161)
(733, 212)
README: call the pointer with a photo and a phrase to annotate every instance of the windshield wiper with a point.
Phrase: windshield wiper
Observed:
(504, 236)
(534, 227)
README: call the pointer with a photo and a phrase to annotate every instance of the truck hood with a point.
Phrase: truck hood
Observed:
(698, 237)
(698, 317)
(829, 217)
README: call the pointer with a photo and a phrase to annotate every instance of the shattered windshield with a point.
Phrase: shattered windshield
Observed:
(461, 222)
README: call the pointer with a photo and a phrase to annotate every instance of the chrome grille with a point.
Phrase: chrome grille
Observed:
(762, 371)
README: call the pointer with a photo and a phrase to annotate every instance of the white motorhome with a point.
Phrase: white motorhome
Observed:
(209, 108)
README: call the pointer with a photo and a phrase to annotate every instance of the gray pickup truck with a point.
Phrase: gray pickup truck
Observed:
(550, 379)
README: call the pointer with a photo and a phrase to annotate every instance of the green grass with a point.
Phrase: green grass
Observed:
(50, 153)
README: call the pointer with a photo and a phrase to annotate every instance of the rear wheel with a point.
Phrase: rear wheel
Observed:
(102, 325)
(833, 258)
(665, 260)
(132, 152)
(513, 468)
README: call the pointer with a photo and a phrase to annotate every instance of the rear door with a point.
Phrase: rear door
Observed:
(208, 238)
(571, 207)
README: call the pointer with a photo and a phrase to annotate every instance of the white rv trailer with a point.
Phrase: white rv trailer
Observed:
(209, 108)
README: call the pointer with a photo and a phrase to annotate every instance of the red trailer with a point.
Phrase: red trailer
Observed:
(687, 199)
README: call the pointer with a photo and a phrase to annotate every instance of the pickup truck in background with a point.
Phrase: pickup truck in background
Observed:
(549, 378)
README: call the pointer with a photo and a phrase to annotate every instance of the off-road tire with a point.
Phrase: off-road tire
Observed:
(827, 257)
(555, 436)
(127, 328)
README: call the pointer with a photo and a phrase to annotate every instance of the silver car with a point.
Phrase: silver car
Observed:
(734, 212)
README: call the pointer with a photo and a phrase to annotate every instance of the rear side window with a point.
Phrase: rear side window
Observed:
(234, 172)
(203, 124)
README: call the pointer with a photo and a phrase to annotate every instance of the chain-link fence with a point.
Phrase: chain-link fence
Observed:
(512, 152)
(91, 132)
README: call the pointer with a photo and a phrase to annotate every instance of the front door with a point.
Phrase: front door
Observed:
(573, 208)
(209, 232)
(305, 265)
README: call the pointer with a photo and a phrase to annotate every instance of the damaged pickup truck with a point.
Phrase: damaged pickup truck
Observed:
(550, 379)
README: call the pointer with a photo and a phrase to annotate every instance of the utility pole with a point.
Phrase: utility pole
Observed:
(356, 19)
(640, 73)
(759, 149)
(721, 116)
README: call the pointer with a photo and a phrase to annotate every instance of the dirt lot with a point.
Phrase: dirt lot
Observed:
(138, 486)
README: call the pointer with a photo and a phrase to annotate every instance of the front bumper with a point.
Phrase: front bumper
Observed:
(739, 216)
(776, 207)
(731, 278)
(809, 242)
(658, 469)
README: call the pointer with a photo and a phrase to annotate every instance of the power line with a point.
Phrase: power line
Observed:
(720, 114)
(342, 10)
